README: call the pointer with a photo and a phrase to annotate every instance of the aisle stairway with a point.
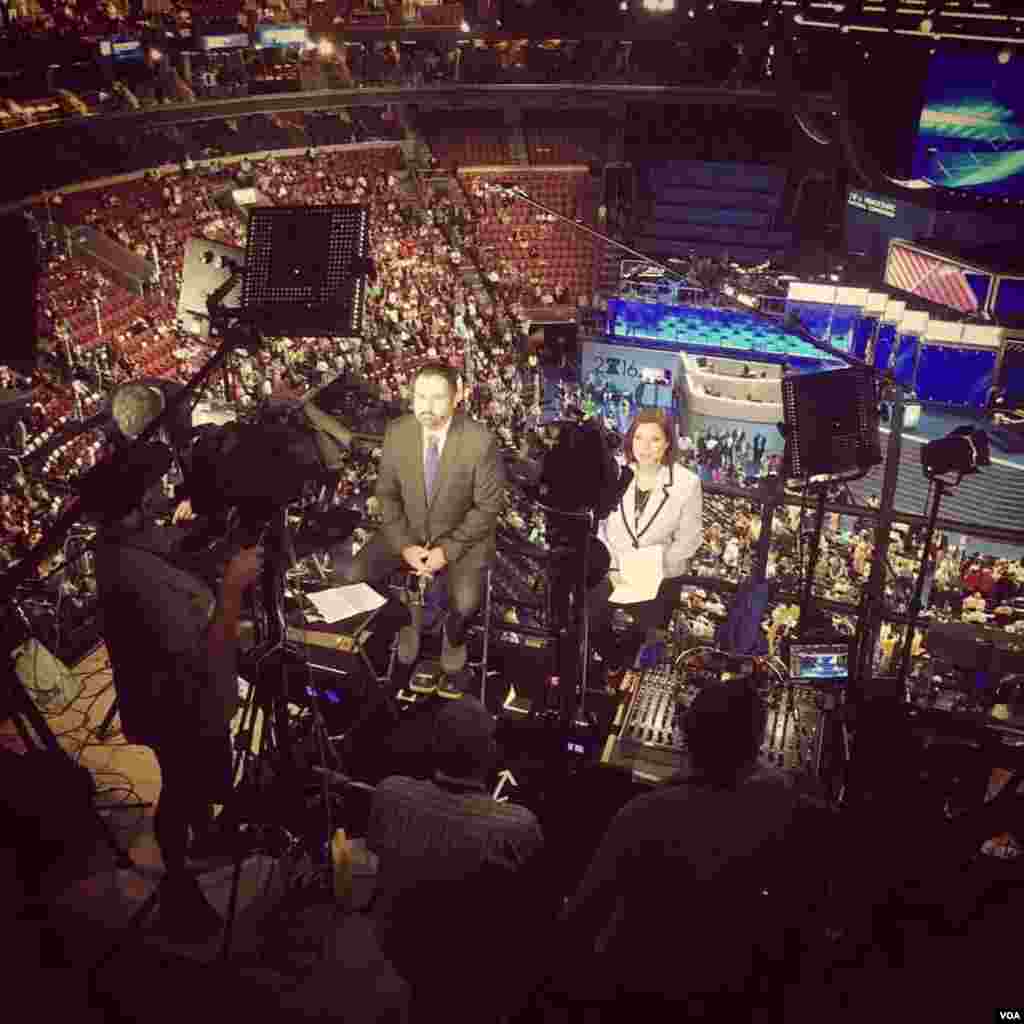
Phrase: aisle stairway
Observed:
(516, 137)
(607, 267)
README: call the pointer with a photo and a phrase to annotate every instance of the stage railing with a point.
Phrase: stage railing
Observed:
(699, 298)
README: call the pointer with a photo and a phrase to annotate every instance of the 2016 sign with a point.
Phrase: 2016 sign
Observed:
(616, 366)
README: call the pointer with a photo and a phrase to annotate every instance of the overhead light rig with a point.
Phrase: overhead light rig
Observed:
(986, 21)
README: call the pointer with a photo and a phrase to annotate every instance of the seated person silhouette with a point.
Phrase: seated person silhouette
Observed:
(706, 848)
(460, 883)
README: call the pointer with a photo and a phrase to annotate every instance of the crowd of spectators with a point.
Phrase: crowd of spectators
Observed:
(95, 335)
(439, 292)
(734, 59)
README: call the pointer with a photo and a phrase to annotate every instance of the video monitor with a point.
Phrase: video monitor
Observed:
(971, 134)
(819, 662)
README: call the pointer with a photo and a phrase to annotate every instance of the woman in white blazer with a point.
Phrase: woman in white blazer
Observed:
(661, 505)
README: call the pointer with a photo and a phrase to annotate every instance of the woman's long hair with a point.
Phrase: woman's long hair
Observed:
(668, 427)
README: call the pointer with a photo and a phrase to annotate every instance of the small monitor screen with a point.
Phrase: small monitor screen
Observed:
(819, 661)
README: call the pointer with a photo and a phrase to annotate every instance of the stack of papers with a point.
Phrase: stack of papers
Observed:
(341, 603)
(639, 575)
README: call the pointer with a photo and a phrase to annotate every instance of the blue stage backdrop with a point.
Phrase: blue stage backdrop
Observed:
(1012, 376)
(913, 328)
(885, 341)
(957, 376)
(867, 324)
(880, 353)
(1008, 302)
(849, 308)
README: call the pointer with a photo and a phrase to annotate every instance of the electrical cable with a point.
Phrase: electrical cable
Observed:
(84, 737)
(801, 578)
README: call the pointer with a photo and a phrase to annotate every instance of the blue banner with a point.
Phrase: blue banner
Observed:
(1009, 299)
(956, 376)
(884, 343)
(863, 331)
(280, 35)
(904, 364)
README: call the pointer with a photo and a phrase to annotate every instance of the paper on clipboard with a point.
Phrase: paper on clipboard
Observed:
(640, 572)
(342, 603)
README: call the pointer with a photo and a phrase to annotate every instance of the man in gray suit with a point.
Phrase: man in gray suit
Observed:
(441, 486)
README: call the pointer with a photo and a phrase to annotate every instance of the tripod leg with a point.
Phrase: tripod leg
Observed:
(137, 920)
(253, 781)
(245, 731)
(229, 923)
(787, 717)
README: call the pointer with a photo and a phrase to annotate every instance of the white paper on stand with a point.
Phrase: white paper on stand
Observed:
(640, 575)
(340, 603)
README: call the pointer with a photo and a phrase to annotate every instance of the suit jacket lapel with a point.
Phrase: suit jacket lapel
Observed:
(419, 476)
(448, 457)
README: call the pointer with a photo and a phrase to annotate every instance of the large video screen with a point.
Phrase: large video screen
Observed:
(972, 124)
(937, 279)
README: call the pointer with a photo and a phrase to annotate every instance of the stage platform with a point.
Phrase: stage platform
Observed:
(711, 332)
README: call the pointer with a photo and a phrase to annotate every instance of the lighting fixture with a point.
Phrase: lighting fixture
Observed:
(961, 451)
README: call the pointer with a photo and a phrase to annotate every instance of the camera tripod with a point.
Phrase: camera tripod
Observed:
(268, 806)
(823, 743)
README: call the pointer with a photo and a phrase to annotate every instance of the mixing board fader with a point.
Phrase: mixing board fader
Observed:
(651, 728)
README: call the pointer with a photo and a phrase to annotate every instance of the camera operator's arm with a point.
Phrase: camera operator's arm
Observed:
(222, 635)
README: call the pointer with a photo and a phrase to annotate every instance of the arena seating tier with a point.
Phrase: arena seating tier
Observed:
(554, 138)
(466, 138)
(512, 235)
(706, 208)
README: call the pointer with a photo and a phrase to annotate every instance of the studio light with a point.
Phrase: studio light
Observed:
(831, 423)
(325, 48)
(961, 451)
(659, 6)
(305, 268)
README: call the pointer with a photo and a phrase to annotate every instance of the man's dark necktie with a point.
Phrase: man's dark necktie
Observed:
(431, 467)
